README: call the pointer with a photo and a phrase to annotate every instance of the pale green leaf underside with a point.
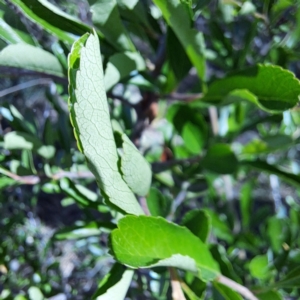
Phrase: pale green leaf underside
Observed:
(270, 87)
(142, 242)
(92, 125)
(115, 284)
(136, 170)
(30, 58)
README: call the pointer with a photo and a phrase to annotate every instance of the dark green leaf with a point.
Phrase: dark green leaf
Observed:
(220, 159)
(158, 204)
(198, 222)
(52, 19)
(105, 16)
(179, 19)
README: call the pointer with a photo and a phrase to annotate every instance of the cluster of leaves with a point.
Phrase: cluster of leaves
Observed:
(209, 203)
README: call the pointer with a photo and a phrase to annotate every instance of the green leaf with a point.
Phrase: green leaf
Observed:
(291, 280)
(227, 292)
(178, 18)
(198, 222)
(115, 284)
(52, 19)
(270, 87)
(220, 255)
(35, 293)
(269, 295)
(8, 34)
(277, 233)
(246, 204)
(105, 16)
(30, 58)
(271, 169)
(259, 267)
(220, 159)
(142, 242)
(158, 204)
(136, 170)
(12, 30)
(6, 181)
(190, 125)
(120, 65)
(219, 228)
(79, 232)
(23, 141)
(269, 143)
(79, 193)
(92, 126)
(179, 61)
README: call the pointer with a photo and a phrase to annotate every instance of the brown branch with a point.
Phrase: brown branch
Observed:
(34, 179)
(177, 293)
(236, 287)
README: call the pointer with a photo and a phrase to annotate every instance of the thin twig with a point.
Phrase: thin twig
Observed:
(34, 179)
(236, 287)
(16, 72)
(25, 85)
(183, 97)
(177, 293)
(162, 165)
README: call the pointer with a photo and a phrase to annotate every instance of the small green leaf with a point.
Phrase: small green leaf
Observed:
(259, 267)
(120, 65)
(79, 193)
(24, 141)
(269, 295)
(79, 232)
(227, 292)
(158, 204)
(220, 255)
(30, 58)
(92, 126)
(220, 159)
(179, 19)
(198, 222)
(12, 30)
(190, 125)
(8, 34)
(142, 242)
(105, 16)
(219, 228)
(270, 87)
(136, 170)
(179, 61)
(115, 284)
(35, 293)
